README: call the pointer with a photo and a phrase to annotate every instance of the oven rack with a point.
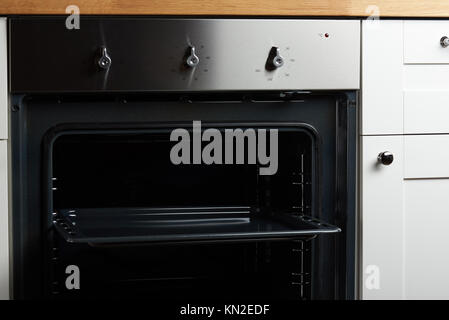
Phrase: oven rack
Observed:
(148, 225)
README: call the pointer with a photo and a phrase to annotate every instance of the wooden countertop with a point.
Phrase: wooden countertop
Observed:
(356, 8)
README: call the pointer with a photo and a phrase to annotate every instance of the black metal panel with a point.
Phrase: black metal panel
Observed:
(46, 56)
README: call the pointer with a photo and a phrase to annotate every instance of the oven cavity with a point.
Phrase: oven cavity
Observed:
(121, 187)
(128, 217)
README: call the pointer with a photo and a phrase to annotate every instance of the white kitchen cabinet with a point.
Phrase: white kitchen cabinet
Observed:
(426, 156)
(422, 41)
(426, 112)
(405, 205)
(405, 220)
(4, 234)
(404, 77)
(426, 239)
(427, 78)
(426, 217)
(382, 68)
(382, 221)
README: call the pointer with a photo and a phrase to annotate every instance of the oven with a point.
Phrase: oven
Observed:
(184, 158)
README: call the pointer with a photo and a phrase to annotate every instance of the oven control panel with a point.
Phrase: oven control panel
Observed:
(145, 54)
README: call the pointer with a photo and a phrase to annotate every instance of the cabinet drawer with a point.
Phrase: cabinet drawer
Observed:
(426, 112)
(422, 42)
(426, 156)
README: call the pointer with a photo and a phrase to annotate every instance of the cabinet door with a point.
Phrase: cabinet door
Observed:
(405, 218)
(382, 219)
(382, 67)
(4, 234)
(426, 219)
(422, 41)
(426, 111)
(426, 239)
(426, 156)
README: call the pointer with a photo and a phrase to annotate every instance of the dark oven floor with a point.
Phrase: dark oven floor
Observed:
(252, 270)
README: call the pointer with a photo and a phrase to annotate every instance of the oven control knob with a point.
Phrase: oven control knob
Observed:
(105, 60)
(386, 158)
(278, 61)
(192, 59)
(275, 60)
(444, 42)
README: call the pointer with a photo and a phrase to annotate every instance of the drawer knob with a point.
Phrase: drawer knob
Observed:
(444, 42)
(386, 158)
(105, 60)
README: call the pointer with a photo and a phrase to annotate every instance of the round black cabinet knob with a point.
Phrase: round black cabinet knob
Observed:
(444, 42)
(386, 158)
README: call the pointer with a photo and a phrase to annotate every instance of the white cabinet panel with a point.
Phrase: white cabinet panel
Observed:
(4, 234)
(405, 206)
(382, 219)
(426, 156)
(426, 77)
(422, 41)
(426, 112)
(405, 217)
(3, 81)
(426, 239)
(382, 63)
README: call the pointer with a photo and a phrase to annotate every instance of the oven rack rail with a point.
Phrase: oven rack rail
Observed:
(98, 226)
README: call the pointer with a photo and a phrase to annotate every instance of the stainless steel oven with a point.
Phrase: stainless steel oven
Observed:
(262, 202)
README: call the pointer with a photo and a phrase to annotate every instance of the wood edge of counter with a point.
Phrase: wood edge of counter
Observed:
(268, 8)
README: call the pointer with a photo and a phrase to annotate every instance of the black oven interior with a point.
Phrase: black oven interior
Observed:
(121, 186)
(134, 171)
(245, 270)
(120, 169)
(102, 194)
